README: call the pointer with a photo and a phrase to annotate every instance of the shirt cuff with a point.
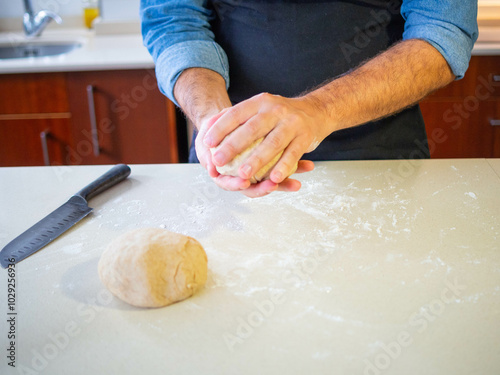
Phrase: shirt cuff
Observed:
(454, 45)
(189, 54)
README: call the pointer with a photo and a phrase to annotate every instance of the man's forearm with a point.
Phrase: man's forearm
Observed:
(386, 84)
(201, 94)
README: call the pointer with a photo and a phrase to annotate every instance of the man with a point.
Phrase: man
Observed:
(346, 76)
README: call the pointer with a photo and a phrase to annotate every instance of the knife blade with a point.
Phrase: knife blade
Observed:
(60, 220)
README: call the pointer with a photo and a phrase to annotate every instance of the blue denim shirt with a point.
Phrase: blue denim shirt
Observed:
(177, 34)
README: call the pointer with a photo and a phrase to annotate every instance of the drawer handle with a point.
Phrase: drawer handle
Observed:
(496, 78)
(495, 122)
(45, 149)
(93, 120)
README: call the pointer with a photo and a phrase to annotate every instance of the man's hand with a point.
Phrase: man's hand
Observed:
(202, 95)
(237, 183)
(384, 85)
(294, 126)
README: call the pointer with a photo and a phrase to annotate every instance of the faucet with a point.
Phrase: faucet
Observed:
(34, 24)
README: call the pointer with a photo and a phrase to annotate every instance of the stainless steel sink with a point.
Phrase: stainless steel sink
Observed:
(26, 50)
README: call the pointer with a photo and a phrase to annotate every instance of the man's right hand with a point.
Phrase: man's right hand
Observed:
(205, 158)
(203, 97)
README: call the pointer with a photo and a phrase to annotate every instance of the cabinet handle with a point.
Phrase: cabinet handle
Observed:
(93, 120)
(496, 78)
(45, 149)
(495, 122)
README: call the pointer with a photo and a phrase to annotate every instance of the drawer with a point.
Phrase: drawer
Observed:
(22, 142)
(33, 93)
(462, 129)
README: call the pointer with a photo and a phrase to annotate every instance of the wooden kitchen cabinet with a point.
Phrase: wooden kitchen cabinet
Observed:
(32, 105)
(34, 141)
(99, 117)
(130, 121)
(463, 119)
(121, 115)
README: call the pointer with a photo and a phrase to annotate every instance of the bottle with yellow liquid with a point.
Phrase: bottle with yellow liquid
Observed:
(91, 11)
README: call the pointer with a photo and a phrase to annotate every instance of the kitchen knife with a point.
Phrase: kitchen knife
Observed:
(60, 220)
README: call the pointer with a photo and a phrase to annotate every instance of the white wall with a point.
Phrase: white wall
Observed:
(120, 9)
(112, 9)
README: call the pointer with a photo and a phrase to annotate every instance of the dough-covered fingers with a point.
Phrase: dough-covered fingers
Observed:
(231, 183)
(267, 187)
(242, 138)
(287, 129)
(266, 154)
(228, 121)
(260, 189)
(288, 163)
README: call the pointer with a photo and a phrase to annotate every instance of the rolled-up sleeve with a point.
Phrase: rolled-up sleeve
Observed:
(178, 36)
(448, 25)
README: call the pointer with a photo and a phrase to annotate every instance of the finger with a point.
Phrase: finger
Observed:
(202, 152)
(211, 121)
(289, 185)
(205, 158)
(202, 156)
(286, 165)
(276, 141)
(267, 187)
(240, 139)
(305, 166)
(260, 189)
(232, 183)
(229, 121)
(212, 171)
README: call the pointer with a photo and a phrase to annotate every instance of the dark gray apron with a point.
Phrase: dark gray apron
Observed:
(287, 47)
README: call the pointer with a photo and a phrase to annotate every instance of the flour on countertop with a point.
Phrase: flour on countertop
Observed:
(344, 232)
(72, 249)
(471, 194)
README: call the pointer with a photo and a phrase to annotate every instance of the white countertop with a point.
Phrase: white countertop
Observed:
(101, 52)
(374, 267)
(126, 51)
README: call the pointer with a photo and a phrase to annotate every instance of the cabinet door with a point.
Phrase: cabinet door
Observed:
(454, 132)
(21, 143)
(29, 105)
(460, 117)
(120, 117)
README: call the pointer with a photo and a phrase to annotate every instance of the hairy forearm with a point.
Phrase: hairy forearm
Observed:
(384, 85)
(201, 93)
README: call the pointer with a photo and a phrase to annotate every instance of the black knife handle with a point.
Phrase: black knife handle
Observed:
(116, 174)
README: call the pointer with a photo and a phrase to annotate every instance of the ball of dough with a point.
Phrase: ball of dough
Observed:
(231, 168)
(153, 267)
